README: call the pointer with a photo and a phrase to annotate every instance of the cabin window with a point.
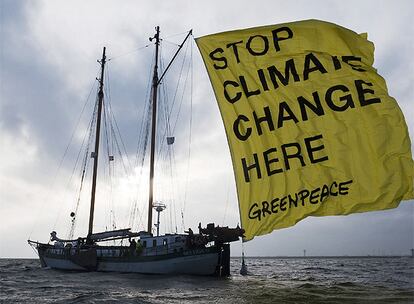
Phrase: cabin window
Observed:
(154, 243)
(164, 242)
(144, 244)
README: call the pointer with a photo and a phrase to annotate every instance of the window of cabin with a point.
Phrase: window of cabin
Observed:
(154, 243)
(165, 242)
(144, 244)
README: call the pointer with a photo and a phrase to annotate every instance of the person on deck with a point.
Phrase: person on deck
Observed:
(132, 246)
(138, 247)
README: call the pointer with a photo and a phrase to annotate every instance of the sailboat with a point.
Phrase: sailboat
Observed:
(302, 168)
(204, 253)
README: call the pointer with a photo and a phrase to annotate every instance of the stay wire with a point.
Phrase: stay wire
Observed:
(190, 134)
(84, 173)
(110, 214)
(88, 134)
(128, 53)
(46, 197)
(141, 150)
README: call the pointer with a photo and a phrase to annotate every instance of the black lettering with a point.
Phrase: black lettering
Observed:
(348, 98)
(303, 194)
(239, 130)
(235, 50)
(317, 66)
(313, 199)
(277, 38)
(256, 214)
(330, 189)
(274, 205)
(226, 94)
(315, 196)
(269, 161)
(290, 69)
(283, 203)
(284, 107)
(348, 60)
(246, 90)
(316, 107)
(324, 192)
(265, 208)
(293, 201)
(336, 62)
(296, 154)
(343, 189)
(266, 118)
(222, 60)
(310, 149)
(247, 168)
(361, 93)
(263, 80)
(265, 45)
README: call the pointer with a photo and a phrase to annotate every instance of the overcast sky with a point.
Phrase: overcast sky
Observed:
(48, 52)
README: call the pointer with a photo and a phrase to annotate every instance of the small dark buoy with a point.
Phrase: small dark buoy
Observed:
(243, 269)
(72, 214)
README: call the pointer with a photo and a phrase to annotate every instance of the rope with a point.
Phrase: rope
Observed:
(141, 151)
(51, 188)
(128, 53)
(85, 162)
(190, 137)
(109, 147)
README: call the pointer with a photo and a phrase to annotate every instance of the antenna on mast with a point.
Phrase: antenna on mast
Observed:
(159, 207)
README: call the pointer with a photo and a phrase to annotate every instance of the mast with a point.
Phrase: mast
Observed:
(98, 132)
(153, 128)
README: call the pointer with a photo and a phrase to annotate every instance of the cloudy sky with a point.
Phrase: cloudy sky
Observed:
(48, 52)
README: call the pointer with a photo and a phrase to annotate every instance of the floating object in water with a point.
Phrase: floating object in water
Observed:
(243, 269)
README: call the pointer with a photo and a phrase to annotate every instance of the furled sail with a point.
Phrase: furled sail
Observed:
(311, 128)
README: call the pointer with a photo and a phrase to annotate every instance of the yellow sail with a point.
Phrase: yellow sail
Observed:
(311, 128)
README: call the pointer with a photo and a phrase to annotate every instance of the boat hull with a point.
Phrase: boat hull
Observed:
(204, 261)
(201, 264)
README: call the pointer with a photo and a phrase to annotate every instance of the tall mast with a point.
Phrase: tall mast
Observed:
(153, 128)
(98, 132)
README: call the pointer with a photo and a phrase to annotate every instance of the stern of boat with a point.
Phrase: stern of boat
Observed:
(223, 265)
(66, 258)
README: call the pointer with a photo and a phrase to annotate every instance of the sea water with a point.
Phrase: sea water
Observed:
(270, 280)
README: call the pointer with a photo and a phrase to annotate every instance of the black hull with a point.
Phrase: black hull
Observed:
(213, 261)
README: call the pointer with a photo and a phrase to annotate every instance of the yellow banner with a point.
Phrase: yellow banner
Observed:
(311, 128)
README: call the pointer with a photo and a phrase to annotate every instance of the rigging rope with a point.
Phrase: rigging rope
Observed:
(141, 151)
(89, 135)
(190, 135)
(168, 112)
(51, 188)
(128, 53)
(109, 145)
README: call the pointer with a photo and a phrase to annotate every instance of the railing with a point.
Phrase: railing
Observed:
(122, 251)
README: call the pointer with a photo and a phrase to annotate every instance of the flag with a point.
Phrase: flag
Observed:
(311, 128)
